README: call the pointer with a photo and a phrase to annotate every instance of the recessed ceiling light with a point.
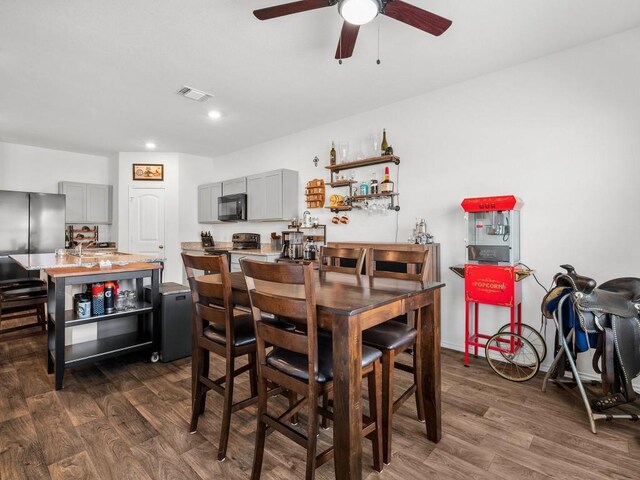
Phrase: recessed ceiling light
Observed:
(150, 145)
(214, 114)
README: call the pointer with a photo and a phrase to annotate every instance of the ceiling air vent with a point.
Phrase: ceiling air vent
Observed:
(193, 94)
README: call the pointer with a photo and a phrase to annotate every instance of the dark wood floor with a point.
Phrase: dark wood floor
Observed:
(128, 419)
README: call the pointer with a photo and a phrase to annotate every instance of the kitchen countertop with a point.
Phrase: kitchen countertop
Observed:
(265, 248)
(40, 261)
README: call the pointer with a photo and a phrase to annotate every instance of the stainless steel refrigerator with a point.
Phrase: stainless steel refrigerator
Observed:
(31, 222)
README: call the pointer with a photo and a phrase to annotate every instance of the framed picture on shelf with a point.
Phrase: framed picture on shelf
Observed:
(148, 171)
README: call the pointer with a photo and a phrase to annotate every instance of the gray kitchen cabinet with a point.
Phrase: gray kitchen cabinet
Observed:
(272, 195)
(99, 203)
(235, 185)
(208, 202)
(87, 202)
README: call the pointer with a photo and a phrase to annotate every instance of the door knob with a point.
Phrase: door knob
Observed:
(161, 246)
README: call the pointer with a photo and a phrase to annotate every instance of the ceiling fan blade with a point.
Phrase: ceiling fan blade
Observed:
(347, 40)
(416, 17)
(289, 8)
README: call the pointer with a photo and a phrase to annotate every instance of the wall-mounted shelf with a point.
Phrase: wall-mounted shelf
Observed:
(348, 183)
(340, 208)
(341, 183)
(363, 163)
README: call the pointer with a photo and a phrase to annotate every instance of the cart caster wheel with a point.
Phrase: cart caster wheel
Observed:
(155, 357)
(534, 337)
(512, 356)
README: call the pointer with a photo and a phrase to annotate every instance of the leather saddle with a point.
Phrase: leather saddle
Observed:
(611, 312)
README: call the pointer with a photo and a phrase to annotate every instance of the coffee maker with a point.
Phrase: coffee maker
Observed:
(292, 244)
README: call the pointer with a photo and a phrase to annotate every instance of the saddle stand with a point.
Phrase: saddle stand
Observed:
(606, 319)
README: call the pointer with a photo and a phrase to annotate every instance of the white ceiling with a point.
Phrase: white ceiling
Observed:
(99, 76)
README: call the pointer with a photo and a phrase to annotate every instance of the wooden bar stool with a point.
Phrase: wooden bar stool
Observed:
(217, 329)
(393, 337)
(301, 361)
(23, 298)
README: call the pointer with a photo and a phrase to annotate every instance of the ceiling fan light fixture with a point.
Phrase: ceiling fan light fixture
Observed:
(359, 12)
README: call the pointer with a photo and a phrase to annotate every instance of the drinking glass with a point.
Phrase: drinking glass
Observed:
(131, 300)
(374, 145)
(343, 151)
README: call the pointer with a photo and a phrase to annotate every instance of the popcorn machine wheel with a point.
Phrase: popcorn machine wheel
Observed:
(492, 275)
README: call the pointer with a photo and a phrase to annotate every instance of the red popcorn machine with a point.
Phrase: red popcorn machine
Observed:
(492, 275)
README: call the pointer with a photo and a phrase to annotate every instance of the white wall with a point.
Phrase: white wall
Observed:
(36, 169)
(560, 132)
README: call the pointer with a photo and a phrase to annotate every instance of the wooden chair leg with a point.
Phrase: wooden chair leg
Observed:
(253, 374)
(312, 434)
(325, 405)
(417, 376)
(199, 392)
(226, 409)
(206, 357)
(42, 317)
(388, 360)
(374, 384)
(260, 431)
(293, 399)
(197, 406)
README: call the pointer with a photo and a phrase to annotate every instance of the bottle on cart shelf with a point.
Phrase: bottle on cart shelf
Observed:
(373, 185)
(97, 299)
(109, 297)
(386, 186)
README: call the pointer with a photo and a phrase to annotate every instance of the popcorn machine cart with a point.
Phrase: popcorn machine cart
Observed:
(492, 276)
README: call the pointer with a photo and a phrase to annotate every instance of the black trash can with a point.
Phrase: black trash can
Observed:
(175, 321)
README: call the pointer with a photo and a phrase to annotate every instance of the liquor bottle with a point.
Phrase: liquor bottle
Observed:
(332, 154)
(373, 185)
(386, 186)
(384, 145)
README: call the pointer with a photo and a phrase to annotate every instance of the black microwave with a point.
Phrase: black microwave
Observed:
(232, 207)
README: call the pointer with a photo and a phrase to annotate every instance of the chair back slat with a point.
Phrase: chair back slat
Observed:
(212, 314)
(293, 341)
(280, 306)
(275, 288)
(330, 259)
(273, 272)
(209, 286)
(419, 259)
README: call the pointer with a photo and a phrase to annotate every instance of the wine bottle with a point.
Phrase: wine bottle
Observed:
(332, 154)
(384, 145)
(386, 186)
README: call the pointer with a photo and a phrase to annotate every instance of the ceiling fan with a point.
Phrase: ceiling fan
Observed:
(358, 12)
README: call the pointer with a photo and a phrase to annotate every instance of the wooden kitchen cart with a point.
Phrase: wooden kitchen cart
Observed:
(109, 343)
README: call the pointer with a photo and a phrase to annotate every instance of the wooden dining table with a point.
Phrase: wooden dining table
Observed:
(347, 305)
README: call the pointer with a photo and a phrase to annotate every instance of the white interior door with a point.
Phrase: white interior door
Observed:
(146, 221)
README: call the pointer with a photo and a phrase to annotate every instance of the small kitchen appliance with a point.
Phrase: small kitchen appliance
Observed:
(292, 244)
(232, 208)
(246, 241)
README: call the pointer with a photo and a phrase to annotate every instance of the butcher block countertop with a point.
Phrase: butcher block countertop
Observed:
(82, 271)
(46, 261)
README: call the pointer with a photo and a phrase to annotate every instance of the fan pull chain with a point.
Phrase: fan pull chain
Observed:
(378, 60)
(340, 42)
